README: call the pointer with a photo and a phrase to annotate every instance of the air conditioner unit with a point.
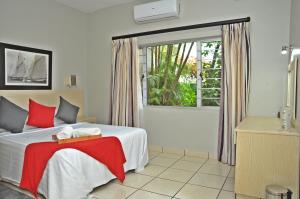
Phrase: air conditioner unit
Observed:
(157, 10)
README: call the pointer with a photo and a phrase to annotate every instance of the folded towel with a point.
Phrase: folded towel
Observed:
(65, 133)
(86, 132)
(69, 132)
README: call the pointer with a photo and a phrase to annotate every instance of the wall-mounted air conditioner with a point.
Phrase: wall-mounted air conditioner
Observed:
(157, 10)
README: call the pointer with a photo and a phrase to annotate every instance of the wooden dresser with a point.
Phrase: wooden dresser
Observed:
(266, 154)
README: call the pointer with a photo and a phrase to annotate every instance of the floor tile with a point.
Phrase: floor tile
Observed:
(185, 165)
(136, 180)
(147, 195)
(226, 195)
(112, 191)
(161, 161)
(161, 186)
(170, 155)
(215, 169)
(229, 184)
(213, 161)
(194, 159)
(207, 180)
(152, 170)
(232, 172)
(151, 157)
(197, 192)
(244, 197)
(177, 175)
(153, 154)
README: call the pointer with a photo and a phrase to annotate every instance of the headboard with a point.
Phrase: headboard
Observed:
(48, 98)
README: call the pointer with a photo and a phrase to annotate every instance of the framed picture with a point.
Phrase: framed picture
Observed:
(24, 68)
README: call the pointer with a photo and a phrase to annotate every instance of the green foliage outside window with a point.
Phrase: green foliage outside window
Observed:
(172, 74)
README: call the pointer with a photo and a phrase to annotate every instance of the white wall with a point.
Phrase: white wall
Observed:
(295, 25)
(194, 128)
(48, 25)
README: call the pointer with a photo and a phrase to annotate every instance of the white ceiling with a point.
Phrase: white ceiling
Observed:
(89, 6)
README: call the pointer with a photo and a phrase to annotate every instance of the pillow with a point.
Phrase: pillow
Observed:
(57, 122)
(12, 117)
(40, 116)
(67, 112)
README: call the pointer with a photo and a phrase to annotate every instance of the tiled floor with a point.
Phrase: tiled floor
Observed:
(171, 176)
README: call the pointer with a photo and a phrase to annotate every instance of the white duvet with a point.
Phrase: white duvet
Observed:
(71, 174)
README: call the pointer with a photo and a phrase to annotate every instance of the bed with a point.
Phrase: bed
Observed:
(70, 173)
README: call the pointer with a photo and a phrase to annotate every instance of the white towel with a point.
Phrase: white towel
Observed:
(65, 133)
(69, 132)
(86, 132)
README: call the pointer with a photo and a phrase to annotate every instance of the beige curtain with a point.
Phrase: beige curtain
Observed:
(125, 83)
(235, 87)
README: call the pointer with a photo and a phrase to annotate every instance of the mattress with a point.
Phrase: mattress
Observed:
(70, 173)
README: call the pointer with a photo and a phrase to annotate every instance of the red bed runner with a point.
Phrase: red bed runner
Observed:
(107, 150)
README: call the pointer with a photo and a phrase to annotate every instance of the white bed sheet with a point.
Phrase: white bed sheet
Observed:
(71, 173)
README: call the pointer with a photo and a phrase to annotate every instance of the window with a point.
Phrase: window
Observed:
(186, 73)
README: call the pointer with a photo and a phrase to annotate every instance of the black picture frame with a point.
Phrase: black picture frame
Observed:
(23, 82)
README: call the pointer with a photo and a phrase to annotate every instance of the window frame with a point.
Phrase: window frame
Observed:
(145, 58)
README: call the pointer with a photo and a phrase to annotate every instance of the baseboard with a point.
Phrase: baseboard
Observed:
(173, 150)
(196, 153)
(181, 151)
(213, 156)
(155, 148)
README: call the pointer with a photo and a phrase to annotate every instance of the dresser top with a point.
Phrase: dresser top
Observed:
(266, 125)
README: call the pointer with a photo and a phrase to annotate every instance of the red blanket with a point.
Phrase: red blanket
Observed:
(107, 150)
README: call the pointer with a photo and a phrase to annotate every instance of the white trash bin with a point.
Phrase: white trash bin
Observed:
(278, 192)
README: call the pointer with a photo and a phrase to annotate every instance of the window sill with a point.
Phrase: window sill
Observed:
(213, 108)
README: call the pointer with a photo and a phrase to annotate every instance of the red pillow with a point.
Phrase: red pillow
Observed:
(40, 116)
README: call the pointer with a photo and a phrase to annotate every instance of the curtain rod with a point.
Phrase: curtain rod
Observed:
(181, 28)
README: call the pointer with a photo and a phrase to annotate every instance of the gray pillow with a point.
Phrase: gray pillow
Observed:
(67, 112)
(12, 117)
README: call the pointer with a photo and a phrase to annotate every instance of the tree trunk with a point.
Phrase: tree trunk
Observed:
(181, 66)
(184, 63)
(161, 55)
(182, 55)
(167, 66)
(176, 57)
(213, 63)
(152, 61)
(157, 57)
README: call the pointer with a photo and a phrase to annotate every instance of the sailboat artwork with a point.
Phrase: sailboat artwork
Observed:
(26, 68)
